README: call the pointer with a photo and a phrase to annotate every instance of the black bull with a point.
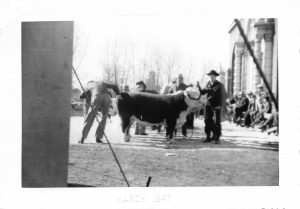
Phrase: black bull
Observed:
(170, 110)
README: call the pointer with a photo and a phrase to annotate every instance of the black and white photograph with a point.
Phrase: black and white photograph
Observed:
(149, 105)
(172, 109)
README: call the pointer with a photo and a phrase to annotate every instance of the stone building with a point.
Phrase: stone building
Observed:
(242, 74)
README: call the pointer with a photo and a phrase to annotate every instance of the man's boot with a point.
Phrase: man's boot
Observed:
(208, 139)
(216, 139)
(216, 134)
(98, 140)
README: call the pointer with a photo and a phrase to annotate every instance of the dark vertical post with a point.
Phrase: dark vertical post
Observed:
(46, 92)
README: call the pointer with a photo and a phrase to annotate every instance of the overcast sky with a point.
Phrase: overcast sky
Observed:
(193, 36)
(198, 36)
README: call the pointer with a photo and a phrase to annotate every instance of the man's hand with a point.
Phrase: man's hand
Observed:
(198, 85)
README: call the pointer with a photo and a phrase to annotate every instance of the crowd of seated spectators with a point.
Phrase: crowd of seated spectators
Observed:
(253, 110)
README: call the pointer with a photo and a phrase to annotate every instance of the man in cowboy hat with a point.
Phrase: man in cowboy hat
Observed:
(216, 96)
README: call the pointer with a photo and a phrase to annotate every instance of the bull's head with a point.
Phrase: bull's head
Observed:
(192, 97)
(192, 93)
(113, 110)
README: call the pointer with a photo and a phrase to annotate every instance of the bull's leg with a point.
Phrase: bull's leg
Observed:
(167, 133)
(170, 129)
(125, 128)
(127, 134)
(159, 128)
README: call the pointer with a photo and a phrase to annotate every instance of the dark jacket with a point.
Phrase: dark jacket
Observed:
(252, 106)
(180, 87)
(243, 104)
(216, 94)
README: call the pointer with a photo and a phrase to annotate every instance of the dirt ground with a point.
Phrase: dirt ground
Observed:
(245, 157)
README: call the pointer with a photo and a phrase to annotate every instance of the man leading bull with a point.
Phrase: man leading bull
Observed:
(98, 97)
(216, 96)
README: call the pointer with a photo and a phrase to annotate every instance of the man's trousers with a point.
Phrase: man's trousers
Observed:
(100, 102)
(212, 119)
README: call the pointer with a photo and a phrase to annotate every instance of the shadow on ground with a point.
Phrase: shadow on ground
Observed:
(245, 157)
(194, 141)
(234, 137)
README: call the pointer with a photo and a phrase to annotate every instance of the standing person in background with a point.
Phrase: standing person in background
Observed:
(181, 86)
(140, 129)
(101, 94)
(216, 97)
(126, 88)
(166, 88)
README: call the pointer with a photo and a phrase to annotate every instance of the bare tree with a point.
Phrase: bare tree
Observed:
(157, 63)
(191, 68)
(144, 66)
(115, 62)
(172, 61)
(133, 62)
(105, 63)
(124, 70)
(79, 46)
(110, 62)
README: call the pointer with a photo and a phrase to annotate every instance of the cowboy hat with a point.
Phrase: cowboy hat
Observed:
(140, 83)
(213, 72)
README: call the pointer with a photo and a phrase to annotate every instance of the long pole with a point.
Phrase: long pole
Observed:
(108, 142)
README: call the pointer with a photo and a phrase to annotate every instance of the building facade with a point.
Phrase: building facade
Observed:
(243, 74)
